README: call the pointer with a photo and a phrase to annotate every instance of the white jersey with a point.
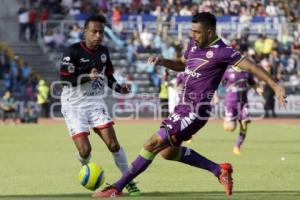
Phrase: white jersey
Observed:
(82, 102)
(83, 107)
(85, 95)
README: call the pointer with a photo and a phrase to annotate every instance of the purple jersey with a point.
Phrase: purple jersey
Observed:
(203, 73)
(180, 78)
(204, 70)
(237, 83)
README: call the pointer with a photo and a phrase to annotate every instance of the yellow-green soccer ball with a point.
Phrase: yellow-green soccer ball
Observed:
(91, 176)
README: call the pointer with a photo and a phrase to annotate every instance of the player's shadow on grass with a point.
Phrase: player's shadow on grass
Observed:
(238, 195)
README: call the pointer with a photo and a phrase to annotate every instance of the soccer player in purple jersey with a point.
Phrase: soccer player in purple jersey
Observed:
(236, 84)
(204, 64)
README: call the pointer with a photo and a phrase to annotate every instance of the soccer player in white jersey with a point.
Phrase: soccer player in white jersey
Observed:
(84, 68)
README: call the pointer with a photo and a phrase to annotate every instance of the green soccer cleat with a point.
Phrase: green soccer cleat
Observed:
(133, 190)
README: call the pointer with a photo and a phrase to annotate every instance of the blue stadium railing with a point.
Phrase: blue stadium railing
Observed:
(227, 24)
(180, 25)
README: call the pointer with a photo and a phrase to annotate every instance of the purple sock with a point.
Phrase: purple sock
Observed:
(190, 157)
(139, 165)
(240, 140)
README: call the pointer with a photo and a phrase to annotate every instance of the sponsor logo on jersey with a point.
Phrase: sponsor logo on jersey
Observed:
(96, 85)
(235, 54)
(103, 58)
(193, 48)
(66, 59)
(82, 60)
(215, 46)
(192, 73)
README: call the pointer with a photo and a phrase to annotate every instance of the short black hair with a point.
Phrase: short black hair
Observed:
(95, 18)
(206, 18)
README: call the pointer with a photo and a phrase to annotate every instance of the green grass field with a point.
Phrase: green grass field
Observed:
(38, 162)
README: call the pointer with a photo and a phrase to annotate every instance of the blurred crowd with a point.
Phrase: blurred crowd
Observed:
(21, 83)
(32, 12)
(278, 55)
(166, 8)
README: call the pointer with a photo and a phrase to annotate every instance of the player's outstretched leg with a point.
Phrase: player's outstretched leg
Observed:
(109, 137)
(120, 159)
(140, 164)
(153, 146)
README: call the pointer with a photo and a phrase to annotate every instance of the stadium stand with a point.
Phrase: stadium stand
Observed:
(59, 23)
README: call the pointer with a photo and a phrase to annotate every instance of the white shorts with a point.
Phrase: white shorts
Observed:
(80, 120)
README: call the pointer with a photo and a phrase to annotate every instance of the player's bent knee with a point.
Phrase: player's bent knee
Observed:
(169, 153)
(244, 125)
(166, 156)
(154, 144)
(84, 151)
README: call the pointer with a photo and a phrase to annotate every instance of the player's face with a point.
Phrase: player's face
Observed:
(94, 33)
(200, 34)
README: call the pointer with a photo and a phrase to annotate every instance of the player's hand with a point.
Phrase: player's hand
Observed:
(281, 96)
(125, 88)
(216, 99)
(94, 74)
(260, 91)
(155, 60)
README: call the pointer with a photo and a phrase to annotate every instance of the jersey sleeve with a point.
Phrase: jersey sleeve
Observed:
(67, 67)
(230, 56)
(224, 78)
(109, 66)
(68, 71)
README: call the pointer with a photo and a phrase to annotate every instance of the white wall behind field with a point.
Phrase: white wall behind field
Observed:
(9, 20)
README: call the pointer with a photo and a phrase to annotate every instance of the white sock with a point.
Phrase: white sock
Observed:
(120, 160)
(83, 161)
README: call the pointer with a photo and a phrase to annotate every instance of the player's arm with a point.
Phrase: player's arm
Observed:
(216, 97)
(175, 65)
(258, 89)
(114, 85)
(255, 85)
(247, 64)
(111, 81)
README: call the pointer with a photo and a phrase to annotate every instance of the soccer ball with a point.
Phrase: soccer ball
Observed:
(91, 176)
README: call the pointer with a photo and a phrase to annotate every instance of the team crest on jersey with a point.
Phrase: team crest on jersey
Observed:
(71, 68)
(209, 54)
(103, 58)
(232, 76)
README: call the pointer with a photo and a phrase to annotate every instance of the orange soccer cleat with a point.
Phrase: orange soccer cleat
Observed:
(107, 192)
(226, 177)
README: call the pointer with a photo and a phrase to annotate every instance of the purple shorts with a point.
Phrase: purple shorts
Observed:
(237, 111)
(182, 124)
